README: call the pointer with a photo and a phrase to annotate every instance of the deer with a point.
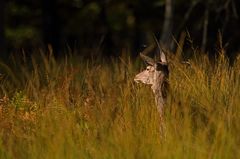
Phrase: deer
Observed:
(156, 75)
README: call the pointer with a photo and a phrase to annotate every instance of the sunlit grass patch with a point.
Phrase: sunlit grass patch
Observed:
(75, 108)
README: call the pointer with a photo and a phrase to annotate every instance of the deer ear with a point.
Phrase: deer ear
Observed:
(149, 60)
(163, 57)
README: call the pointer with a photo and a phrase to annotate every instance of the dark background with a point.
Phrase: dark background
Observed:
(107, 27)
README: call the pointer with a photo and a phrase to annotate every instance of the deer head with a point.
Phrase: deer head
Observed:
(155, 73)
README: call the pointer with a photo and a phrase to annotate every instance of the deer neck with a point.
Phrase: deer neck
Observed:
(159, 90)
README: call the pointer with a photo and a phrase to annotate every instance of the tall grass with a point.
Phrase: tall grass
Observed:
(76, 108)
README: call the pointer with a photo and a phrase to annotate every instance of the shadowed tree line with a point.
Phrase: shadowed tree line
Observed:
(109, 26)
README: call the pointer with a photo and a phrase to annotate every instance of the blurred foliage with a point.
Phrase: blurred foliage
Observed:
(118, 24)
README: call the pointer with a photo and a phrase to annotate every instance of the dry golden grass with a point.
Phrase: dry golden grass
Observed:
(74, 108)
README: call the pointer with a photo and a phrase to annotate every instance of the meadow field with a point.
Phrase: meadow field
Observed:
(74, 108)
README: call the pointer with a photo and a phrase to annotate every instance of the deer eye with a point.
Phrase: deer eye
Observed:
(148, 69)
